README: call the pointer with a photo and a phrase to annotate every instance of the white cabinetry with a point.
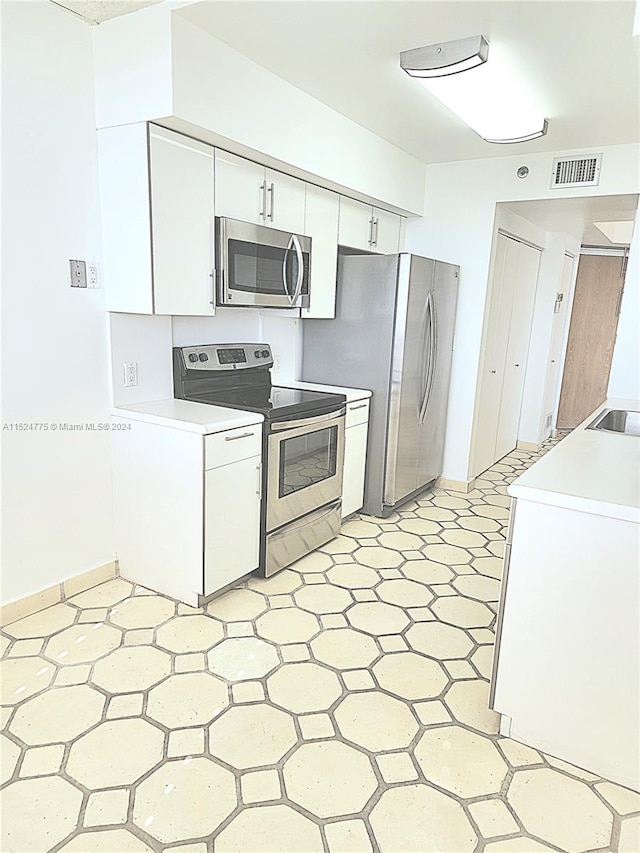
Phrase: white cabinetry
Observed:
(187, 506)
(368, 228)
(321, 224)
(506, 347)
(252, 193)
(156, 191)
(355, 456)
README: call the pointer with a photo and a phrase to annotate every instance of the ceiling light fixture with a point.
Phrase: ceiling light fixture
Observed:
(483, 92)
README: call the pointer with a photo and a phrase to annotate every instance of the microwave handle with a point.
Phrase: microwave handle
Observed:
(284, 271)
(300, 280)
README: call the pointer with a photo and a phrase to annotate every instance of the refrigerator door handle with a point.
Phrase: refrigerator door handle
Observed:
(433, 355)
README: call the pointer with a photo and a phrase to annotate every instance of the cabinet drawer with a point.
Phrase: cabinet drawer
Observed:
(221, 448)
(357, 413)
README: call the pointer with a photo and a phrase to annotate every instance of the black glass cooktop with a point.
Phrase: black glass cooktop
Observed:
(272, 401)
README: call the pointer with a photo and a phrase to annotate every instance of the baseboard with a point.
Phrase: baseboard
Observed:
(15, 610)
(455, 485)
(528, 445)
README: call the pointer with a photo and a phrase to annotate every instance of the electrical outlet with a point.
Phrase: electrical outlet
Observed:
(276, 363)
(92, 275)
(130, 373)
(78, 273)
(547, 423)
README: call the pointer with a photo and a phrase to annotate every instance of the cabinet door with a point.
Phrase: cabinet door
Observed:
(321, 224)
(354, 227)
(355, 458)
(386, 232)
(239, 190)
(182, 223)
(285, 205)
(232, 522)
(124, 206)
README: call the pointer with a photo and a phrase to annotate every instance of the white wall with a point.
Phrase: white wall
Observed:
(457, 226)
(624, 379)
(57, 495)
(197, 84)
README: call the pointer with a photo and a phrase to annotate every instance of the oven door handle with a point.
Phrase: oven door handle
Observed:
(298, 248)
(281, 426)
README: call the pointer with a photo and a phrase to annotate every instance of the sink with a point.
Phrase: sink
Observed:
(617, 420)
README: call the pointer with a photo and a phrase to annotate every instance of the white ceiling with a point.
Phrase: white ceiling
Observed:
(577, 215)
(97, 11)
(578, 57)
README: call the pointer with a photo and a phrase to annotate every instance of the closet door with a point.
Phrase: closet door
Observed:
(524, 294)
(496, 342)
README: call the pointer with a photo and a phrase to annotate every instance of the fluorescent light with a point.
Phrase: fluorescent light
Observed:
(490, 99)
(450, 57)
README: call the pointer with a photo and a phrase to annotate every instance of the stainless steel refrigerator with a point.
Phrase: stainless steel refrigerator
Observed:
(393, 334)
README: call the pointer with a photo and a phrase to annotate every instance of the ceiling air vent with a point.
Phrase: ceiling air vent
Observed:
(576, 171)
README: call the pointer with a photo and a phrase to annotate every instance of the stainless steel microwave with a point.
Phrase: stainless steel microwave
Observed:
(261, 267)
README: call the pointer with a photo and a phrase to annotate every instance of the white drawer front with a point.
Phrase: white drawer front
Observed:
(221, 448)
(357, 413)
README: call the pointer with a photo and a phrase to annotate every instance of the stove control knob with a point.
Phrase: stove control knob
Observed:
(257, 353)
(265, 353)
(193, 356)
(203, 356)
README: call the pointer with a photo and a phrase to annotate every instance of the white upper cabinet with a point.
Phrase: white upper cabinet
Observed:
(321, 224)
(156, 195)
(386, 231)
(182, 224)
(368, 228)
(252, 193)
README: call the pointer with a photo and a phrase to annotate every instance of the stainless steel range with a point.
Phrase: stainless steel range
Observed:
(303, 443)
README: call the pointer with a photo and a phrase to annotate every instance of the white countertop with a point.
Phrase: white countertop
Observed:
(192, 417)
(352, 394)
(589, 470)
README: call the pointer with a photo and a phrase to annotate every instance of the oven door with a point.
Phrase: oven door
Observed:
(304, 466)
(262, 266)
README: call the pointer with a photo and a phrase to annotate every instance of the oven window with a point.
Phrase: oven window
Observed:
(307, 459)
(260, 269)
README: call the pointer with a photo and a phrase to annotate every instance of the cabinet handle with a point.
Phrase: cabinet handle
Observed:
(517, 365)
(374, 234)
(360, 406)
(272, 194)
(212, 276)
(236, 437)
(370, 240)
(259, 487)
(493, 371)
(263, 212)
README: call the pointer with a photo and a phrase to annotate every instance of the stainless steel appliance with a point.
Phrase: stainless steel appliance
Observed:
(260, 266)
(303, 443)
(393, 334)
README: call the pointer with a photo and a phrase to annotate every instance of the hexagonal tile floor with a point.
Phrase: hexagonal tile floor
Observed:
(338, 706)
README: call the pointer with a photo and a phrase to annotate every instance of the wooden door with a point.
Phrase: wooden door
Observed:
(592, 334)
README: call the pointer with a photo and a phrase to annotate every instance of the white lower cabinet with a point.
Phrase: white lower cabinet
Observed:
(355, 456)
(187, 506)
(231, 520)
